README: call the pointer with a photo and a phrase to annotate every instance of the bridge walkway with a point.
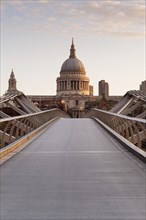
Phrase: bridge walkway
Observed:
(74, 170)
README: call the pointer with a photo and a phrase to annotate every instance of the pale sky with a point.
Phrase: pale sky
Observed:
(109, 38)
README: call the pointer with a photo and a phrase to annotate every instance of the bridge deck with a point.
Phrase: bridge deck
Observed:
(74, 170)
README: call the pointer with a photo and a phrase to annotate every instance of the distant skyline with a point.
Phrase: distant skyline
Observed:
(109, 37)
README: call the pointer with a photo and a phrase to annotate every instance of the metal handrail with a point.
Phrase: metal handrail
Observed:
(131, 128)
(121, 116)
(11, 129)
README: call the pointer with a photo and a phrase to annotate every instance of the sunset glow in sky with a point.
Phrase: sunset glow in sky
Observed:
(109, 37)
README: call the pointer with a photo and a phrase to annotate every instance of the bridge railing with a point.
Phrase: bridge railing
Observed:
(133, 129)
(11, 129)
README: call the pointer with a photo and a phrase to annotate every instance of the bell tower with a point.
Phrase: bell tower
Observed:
(12, 83)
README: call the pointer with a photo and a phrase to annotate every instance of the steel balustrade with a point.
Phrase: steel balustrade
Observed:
(133, 129)
(11, 129)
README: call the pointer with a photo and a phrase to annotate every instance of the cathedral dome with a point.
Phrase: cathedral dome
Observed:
(72, 65)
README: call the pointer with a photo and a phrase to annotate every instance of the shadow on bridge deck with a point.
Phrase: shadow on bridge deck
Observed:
(74, 170)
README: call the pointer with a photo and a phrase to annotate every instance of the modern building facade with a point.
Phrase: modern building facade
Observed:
(103, 88)
(143, 86)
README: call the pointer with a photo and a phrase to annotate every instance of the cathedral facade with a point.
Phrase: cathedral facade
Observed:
(73, 85)
(73, 79)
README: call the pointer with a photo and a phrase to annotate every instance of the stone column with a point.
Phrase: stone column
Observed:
(74, 85)
(67, 85)
(79, 85)
(61, 85)
(64, 85)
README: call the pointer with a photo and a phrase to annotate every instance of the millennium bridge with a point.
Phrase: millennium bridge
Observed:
(57, 167)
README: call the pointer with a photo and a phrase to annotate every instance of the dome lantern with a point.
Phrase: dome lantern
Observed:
(72, 50)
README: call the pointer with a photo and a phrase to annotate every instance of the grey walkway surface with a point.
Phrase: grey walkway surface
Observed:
(74, 170)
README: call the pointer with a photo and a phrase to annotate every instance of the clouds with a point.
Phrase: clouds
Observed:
(108, 17)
